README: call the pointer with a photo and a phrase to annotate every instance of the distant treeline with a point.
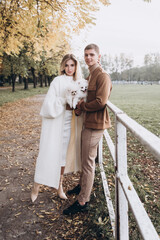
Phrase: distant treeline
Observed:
(121, 68)
(24, 69)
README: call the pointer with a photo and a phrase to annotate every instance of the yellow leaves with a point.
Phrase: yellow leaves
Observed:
(17, 214)
(129, 188)
(102, 221)
(105, 2)
(42, 23)
(69, 221)
(47, 213)
(38, 232)
(40, 216)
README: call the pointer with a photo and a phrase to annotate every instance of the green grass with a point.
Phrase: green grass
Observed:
(140, 102)
(6, 94)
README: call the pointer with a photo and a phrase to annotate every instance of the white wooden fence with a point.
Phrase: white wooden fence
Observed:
(124, 191)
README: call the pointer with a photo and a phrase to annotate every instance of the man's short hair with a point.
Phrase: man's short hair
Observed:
(92, 46)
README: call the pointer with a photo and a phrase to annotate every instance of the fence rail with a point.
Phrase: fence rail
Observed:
(124, 191)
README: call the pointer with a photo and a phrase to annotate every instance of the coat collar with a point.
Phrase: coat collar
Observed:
(92, 68)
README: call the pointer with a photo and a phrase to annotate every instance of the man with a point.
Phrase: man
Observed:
(96, 120)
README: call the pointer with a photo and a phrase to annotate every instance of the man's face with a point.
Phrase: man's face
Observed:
(91, 57)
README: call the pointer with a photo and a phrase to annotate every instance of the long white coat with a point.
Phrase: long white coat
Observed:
(48, 165)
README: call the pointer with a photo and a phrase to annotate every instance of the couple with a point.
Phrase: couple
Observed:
(69, 138)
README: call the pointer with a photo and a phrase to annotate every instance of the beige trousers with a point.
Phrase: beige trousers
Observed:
(90, 141)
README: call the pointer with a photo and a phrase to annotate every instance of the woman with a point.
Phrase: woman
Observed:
(59, 151)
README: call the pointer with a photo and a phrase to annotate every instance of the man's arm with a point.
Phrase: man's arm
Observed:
(104, 86)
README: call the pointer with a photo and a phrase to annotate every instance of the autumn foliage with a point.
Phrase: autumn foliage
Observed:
(45, 25)
(35, 34)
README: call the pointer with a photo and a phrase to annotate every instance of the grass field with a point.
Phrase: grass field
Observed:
(141, 102)
(6, 94)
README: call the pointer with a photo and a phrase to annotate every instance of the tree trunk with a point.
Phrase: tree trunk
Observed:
(49, 80)
(25, 83)
(41, 80)
(45, 80)
(20, 79)
(34, 77)
(13, 80)
(9, 80)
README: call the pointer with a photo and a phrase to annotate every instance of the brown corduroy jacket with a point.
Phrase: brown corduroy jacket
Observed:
(99, 90)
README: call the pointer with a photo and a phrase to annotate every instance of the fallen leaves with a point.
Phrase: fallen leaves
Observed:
(17, 214)
(20, 125)
(129, 188)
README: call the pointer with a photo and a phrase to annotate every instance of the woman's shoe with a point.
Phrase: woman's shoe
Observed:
(60, 191)
(35, 191)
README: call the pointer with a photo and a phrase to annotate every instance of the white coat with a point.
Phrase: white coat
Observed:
(48, 165)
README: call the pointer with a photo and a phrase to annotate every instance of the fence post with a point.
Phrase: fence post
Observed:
(121, 168)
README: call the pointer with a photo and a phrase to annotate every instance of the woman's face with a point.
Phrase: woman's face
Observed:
(70, 67)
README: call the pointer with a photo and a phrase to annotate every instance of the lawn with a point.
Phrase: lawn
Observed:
(6, 94)
(140, 102)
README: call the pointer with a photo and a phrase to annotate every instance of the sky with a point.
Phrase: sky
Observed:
(126, 26)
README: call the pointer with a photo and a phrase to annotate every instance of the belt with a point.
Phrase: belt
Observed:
(68, 107)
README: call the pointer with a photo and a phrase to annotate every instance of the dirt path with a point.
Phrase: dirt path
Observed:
(19, 218)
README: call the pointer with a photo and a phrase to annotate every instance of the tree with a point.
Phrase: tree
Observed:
(106, 62)
(152, 65)
(44, 26)
(122, 66)
(42, 23)
(10, 68)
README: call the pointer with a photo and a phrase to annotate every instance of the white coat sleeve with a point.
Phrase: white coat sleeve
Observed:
(53, 104)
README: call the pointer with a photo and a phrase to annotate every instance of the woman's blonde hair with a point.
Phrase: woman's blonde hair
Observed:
(65, 59)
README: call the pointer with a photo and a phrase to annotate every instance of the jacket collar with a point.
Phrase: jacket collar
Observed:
(93, 67)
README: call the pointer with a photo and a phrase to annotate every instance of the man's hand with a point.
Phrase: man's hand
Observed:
(79, 103)
(77, 112)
